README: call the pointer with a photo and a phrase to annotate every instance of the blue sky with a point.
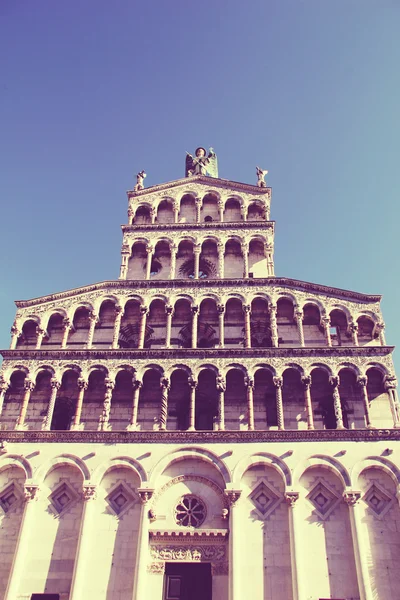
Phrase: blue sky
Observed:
(92, 91)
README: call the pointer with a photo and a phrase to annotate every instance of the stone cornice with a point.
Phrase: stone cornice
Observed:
(200, 437)
(207, 181)
(200, 226)
(203, 283)
(206, 354)
(169, 535)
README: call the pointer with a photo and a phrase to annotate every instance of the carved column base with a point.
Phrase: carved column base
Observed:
(78, 427)
(133, 427)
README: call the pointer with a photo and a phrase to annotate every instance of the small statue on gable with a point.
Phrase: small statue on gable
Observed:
(201, 163)
(139, 181)
(261, 177)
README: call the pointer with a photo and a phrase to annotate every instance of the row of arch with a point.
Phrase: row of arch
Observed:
(230, 477)
(196, 209)
(207, 401)
(215, 484)
(182, 324)
(210, 258)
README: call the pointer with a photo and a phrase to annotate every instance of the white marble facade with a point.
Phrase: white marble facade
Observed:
(199, 428)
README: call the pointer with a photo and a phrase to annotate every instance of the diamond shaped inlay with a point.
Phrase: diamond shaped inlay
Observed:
(63, 497)
(378, 500)
(324, 499)
(265, 499)
(120, 499)
(10, 497)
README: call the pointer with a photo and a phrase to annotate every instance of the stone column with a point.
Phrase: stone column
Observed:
(170, 313)
(105, 415)
(306, 381)
(153, 214)
(337, 405)
(243, 212)
(67, 326)
(379, 331)
(79, 576)
(140, 591)
(221, 256)
(93, 318)
(174, 250)
(298, 315)
(221, 205)
(149, 250)
(175, 207)
(198, 202)
(353, 328)
(15, 333)
(247, 325)
(278, 383)
(273, 309)
(245, 251)
(29, 386)
(142, 328)
(390, 386)
(196, 254)
(326, 323)
(269, 254)
(24, 538)
(364, 585)
(117, 326)
(125, 254)
(3, 389)
(221, 313)
(221, 387)
(192, 404)
(195, 319)
(83, 386)
(40, 333)
(55, 386)
(137, 386)
(362, 382)
(295, 549)
(131, 215)
(165, 387)
(249, 381)
(232, 497)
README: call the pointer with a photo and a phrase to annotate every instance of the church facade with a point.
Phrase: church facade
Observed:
(199, 428)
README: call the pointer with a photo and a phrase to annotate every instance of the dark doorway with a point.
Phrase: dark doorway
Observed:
(45, 597)
(187, 581)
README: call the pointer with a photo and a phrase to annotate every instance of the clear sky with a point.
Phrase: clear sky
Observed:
(92, 91)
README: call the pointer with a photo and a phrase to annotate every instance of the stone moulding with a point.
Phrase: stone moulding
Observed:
(206, 354)
(202, 437)
(195, 226)
(173, 534)
(294, 284)
(211, 182)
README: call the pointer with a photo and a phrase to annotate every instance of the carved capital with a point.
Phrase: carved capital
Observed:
(197, 249)
(15, 330)
(89, 492)
(351, 498)
(246, 308)
(4, 385)
(306, 381)
(137, 385)
(273, 309)
(249, 382)
(165, 383)
(30, 492)
(29, 385)
(119, 310)
(221, 309)
(144, 310)
(109, 384)
(145, 495)
(334, 381)
(390, 382)
(192, 382)
(362, 380)
(232, 496)
(82, 383)
(278, 382)
(169, 309)
(353, 327)
(291, 498)
(149, 249)
(221, 384)
(66, 324)
(93, 317)
(55, 384)
(195, 309)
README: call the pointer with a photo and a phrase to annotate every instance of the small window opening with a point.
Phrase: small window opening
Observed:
(208, 219)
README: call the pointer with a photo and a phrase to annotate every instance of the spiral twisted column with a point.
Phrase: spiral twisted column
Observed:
(83, 386)
(337, 404)
(29, 386)
(55, 386)
(105, 415)
(278, 383)
(165, 387)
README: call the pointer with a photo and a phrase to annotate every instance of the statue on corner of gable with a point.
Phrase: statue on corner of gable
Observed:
(201, 163)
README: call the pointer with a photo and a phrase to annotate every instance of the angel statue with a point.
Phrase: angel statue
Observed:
(139, 181)
(201, 163)
(260, 177)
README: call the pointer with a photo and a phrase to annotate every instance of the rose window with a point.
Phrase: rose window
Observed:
(190, 511)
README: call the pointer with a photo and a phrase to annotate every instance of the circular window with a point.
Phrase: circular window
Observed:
(190, 511)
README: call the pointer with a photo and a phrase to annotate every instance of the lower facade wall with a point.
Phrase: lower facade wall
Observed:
(50, 529)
